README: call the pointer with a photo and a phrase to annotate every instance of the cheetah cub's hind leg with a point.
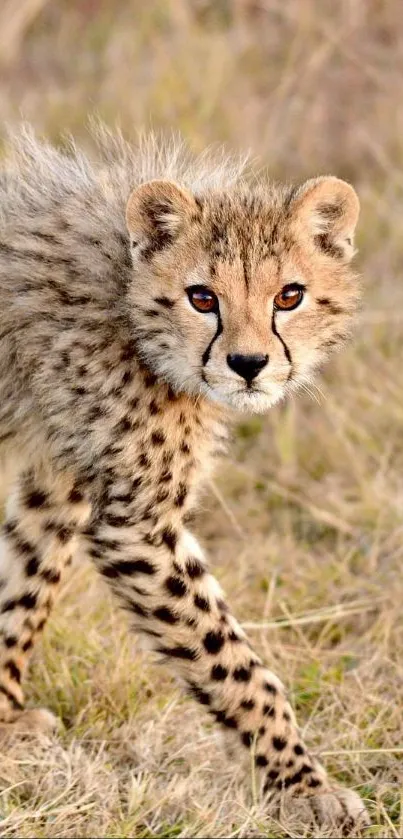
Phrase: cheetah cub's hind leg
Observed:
(37, 540)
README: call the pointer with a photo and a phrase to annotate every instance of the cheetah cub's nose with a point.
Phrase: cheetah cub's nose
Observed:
(247, 366)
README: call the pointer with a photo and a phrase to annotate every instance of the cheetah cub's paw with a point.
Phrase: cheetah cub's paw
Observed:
(337, 811)
(37, 722)
(341, 807)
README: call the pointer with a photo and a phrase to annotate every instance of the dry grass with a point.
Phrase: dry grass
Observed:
(305, 523)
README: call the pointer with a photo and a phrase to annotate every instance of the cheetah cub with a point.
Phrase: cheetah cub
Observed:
(144, 298)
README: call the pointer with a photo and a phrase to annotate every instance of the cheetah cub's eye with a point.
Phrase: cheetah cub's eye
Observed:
(202, 299)
(289, 297)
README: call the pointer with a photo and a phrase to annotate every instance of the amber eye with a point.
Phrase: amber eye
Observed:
(289, 297)
(202, 299)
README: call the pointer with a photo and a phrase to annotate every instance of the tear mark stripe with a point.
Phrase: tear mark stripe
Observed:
(285, 348)
(206, 354)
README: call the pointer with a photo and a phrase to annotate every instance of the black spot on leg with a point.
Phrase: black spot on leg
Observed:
(199, 694)
(13, 670)
(194, 568)
(219, 673)
(248, 704)
(51, 576)
(170, 538)
(229, 722)
(242, 674)
(247, 738)
(27, 645)
(179, 651)
(298, 749)
(314, 782)
(213, 642)
(27, 601)
(279, 743)
(36, 499)
(201, 603)
(269, 711)
(176, 586)
(128, 567)
(32, 566)
(294, 779)
(261, 760)
(270, 688)
(163, 613)
(10, 641)
(272, 776)
(13, 701)
(158, 438)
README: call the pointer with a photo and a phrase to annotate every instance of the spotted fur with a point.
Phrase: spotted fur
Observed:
(115, 397)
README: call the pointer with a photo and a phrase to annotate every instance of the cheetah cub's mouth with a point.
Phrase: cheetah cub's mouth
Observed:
(239, 295)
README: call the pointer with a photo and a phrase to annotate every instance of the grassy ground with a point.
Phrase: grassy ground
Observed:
(304, 523)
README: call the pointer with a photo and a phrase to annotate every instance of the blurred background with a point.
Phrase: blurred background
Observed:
(306, 84)
(304, 524)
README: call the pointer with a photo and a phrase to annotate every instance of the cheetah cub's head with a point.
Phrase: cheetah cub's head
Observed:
(240, 295)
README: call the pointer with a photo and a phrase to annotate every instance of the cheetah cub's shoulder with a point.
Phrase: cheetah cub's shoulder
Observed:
(145, 295)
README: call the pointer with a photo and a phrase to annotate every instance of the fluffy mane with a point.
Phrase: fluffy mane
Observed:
(37, 174)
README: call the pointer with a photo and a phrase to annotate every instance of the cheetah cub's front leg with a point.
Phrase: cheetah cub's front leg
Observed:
(180, 607)
(37, 541)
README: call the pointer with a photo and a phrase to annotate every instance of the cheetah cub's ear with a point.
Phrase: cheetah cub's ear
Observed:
(327, 210)
(156, 213)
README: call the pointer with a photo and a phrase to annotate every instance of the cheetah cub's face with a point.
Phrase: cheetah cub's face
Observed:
(240, 295)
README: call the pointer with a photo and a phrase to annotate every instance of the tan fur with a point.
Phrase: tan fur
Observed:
(115, 393)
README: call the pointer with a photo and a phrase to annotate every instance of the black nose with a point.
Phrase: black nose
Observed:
(247, 366)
